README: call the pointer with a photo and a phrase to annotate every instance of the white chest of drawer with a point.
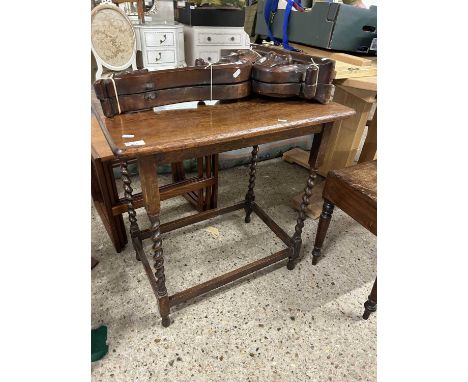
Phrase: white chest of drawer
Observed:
(161, 45)
(207, 42)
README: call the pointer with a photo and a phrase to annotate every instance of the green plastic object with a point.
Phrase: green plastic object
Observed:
(99, 347)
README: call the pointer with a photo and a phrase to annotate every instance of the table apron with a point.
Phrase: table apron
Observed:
(216, 148)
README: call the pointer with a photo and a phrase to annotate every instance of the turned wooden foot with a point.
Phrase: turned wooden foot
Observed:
(370, 306)
(128, 190)
(301, 217)
(322, 229)
(157, 254)
(250, 196)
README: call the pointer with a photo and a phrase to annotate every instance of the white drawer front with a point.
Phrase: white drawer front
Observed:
(160, 57)
(160, 38)
(209, 55)
(234, 38)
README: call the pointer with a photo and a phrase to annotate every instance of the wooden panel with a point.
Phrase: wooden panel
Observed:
(364, 83)
(297, 156)
(369, 150)
(366, 95)
(345, 134)
(354, 191)
(99, 147)
(343, 57)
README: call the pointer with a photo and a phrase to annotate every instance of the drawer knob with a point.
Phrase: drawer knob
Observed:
(150, 96)
(209, 58)
(232, 38)
(159, 57)
(208, 38)
(163, 39)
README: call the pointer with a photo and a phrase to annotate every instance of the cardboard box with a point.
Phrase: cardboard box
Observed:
(326, 25)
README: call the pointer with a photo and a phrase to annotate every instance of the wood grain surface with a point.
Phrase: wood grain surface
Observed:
(179, 134)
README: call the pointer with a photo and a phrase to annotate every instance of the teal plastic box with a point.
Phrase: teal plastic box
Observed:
(326, 25)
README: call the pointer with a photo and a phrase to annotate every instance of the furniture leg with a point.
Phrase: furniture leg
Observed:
(207, 199)
(370, 306)
(128, 190)
(214, 193)
(250, 196)
(322, 229)
(178, 172)
(113, 198)
(317, 153)
(150, 190)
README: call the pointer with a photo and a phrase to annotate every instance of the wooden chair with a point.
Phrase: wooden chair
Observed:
(353, 190)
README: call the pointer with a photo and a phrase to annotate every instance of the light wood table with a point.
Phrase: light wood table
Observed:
(361, 95)
(356, 87)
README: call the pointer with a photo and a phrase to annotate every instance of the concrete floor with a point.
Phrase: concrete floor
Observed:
(277, 325)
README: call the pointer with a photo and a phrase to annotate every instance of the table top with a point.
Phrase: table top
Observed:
(99, 147)
(181, 134)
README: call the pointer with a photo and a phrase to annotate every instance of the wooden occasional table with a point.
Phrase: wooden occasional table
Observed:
(172, 136)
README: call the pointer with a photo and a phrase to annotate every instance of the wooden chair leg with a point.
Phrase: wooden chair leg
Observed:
(250, 196)
(322, 229)
(370, 306)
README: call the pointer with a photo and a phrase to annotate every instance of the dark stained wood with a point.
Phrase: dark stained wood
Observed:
(354, 190)
(214, 193)
(148, 100)
(250, 196)
(137, 245)
(322, 229)
(271, 73)
(147, 167)
(128, 193)
(211, 128)
(272, 225)
(228, 277)
(370, 306)
(192, 219)
(168, 191)
(315, 160)
(102, 198)
(142, 81)
(208, 171)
